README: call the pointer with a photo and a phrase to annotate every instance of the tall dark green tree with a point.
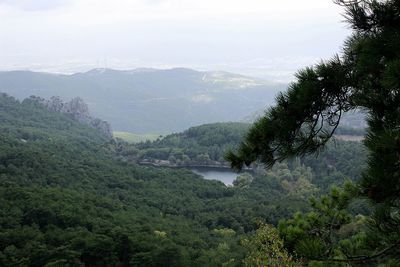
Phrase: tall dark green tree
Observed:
(366, 76)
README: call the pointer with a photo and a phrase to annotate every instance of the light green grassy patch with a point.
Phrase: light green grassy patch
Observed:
(135, 138)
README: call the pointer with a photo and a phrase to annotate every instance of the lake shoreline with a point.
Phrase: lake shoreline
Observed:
(224, 174)
(186, 166)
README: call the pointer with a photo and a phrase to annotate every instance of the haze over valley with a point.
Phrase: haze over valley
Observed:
(151, 100)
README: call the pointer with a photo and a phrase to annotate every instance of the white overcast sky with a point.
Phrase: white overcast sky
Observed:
(264, 38)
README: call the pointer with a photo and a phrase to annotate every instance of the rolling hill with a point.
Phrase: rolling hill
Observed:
(150, 100)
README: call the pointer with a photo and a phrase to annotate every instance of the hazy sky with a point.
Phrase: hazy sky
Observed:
(264, 38)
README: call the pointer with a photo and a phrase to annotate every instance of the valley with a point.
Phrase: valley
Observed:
(72, 190)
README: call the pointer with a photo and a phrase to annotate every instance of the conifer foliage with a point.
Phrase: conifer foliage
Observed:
(366, 76)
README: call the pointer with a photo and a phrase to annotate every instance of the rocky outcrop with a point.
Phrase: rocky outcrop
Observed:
(77, 109)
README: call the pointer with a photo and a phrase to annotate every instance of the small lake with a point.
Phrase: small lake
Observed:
(226, 176)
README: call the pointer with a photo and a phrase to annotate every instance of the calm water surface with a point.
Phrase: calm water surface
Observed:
(225, 176)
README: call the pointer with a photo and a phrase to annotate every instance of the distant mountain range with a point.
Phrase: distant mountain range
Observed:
(150, 100)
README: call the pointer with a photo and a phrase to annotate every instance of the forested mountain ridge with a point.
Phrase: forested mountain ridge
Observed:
(200, 145)
(207, 145)
(30, 120)
(150, 100)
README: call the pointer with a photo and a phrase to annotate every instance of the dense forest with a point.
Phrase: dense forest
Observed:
(201, 145)
(70, 196)
(207, 145)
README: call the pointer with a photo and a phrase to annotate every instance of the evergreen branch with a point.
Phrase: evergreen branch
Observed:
(363, 258)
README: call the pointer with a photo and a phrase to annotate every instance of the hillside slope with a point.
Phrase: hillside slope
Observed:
(150, 100)
(66, 200)
(69, 197)
(206, 145)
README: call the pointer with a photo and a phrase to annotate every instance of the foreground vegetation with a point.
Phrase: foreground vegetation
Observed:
(366, 76)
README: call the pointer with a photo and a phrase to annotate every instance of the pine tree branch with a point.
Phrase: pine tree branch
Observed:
(363, 258)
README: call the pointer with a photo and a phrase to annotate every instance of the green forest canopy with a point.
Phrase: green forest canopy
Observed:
(69, 197)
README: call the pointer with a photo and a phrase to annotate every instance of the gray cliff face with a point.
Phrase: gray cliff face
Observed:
(77, 109)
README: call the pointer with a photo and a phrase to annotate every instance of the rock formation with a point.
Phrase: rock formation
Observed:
(77, 109)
